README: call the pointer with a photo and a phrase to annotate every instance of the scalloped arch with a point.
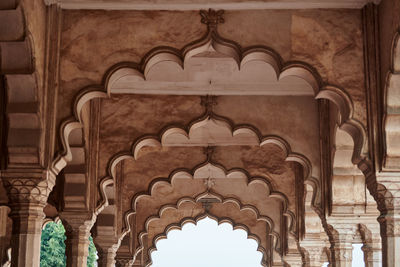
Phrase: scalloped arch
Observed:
(108, 180)
(180, 173)
(242, 57)
(299, 69)
(194, 220)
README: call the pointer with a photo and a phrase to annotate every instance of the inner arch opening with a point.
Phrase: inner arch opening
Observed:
(206, 244)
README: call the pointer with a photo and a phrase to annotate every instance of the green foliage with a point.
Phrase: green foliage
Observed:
(52, 248)
(92, 257)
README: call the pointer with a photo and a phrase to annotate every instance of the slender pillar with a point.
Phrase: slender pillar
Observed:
(27, 193)
(372, 248)
(389, 194)
(372, 255)
(343, 247)
(390, 231)
(77, 230)
(107, 245)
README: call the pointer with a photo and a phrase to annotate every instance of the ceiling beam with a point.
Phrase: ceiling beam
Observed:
(202, 4)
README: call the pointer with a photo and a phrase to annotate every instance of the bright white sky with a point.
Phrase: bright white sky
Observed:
(212, 245)
(207, 244)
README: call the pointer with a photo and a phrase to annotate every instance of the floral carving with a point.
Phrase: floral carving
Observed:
(212, 17)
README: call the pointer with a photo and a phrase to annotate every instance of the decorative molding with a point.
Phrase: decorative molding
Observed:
(192, 72)
(196, 5)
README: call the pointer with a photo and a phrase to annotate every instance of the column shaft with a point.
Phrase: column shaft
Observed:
(77, 230)
(27, 193)
(372, 256)
(26, 235)
(390, 232)
(77, 247)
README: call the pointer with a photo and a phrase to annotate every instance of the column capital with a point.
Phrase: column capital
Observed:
(343, 232)
(77, 229)
(75, 221)
(389, 190)
(28, 187)
(390, 225)
(342, 229)
(314, 249)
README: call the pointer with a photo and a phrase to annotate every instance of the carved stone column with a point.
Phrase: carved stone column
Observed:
(390, 219)
(371, 238)
(107, 246)
(343, 248)
(27, 192)
(372, 256)
(390, 231)
(77, 230)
